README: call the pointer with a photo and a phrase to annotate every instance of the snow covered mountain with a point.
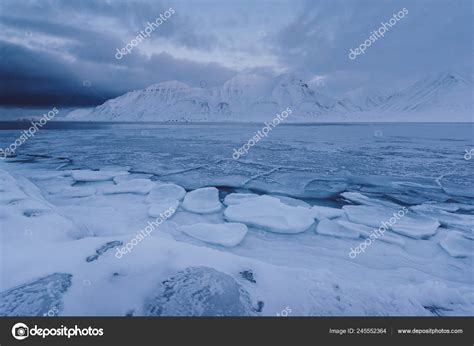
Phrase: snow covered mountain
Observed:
(252, 97)
(447, 91)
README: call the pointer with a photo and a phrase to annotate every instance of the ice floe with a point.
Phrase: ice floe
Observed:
(270, 214)
(203, 201)
(225, 234)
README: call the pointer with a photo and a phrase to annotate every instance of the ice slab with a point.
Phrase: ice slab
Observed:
(203, 201)
(166, 192)
(457, 245)
(138, 186)
(225, 234)
(271, 214)
(450, 220)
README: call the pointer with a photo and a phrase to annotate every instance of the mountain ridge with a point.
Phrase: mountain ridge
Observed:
(252, 97)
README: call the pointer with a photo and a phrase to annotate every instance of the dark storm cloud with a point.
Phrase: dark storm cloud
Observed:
(53, 59)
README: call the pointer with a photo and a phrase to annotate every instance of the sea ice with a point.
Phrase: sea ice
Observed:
(271, 214)
(203, 201)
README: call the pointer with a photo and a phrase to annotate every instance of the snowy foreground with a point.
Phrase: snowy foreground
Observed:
(76, 242)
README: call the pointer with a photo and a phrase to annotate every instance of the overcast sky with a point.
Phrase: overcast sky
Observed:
(57, 50)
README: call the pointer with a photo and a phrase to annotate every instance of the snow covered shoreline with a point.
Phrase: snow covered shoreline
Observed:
(53, 220)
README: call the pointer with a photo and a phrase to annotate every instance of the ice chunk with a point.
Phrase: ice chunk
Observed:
(203, 201)
(461, 221)
(457, 245)
(271, 214)
(336, 229)
(158, 209)
(166, 192)
(36, 298)
(87, 175)
(200, 291)
(225, 234)
(138, 186)
(416, 226)
(322, 212)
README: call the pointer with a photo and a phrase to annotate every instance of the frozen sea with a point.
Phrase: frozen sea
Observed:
(268, 234)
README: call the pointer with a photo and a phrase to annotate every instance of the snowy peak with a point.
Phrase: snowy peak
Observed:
(253, 97)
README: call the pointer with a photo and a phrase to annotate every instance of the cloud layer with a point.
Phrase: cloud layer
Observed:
(60, 52)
